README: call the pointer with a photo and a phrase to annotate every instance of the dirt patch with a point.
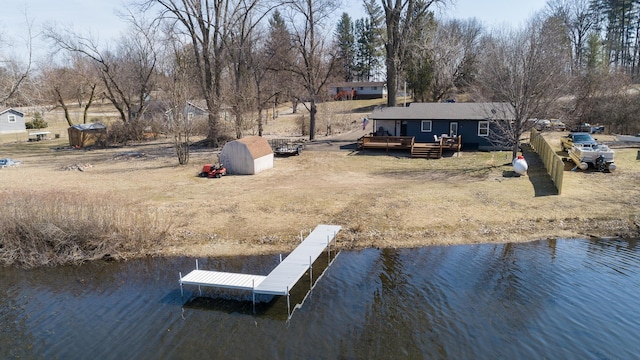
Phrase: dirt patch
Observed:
(76, 167)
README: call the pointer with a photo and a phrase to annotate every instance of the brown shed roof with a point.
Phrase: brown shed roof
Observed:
(257, 145)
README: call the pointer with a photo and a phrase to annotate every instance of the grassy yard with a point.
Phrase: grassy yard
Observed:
(380, 200)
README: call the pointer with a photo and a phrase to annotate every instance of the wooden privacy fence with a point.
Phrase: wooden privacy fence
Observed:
(552, 162)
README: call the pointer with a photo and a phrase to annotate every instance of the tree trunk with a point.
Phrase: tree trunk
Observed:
(213, 121)
(64, 106)
(92, 95)
(392, 79)
(312, 119)
(66, 113)
(182, 149)
(239, 119)
(260, 121)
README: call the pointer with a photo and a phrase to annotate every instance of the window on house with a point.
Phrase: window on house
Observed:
(12, 118)
(190, 116)
(360, 88)
(483, 128)
(374, 88)
(425, 126)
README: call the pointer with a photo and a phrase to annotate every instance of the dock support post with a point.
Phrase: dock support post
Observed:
(328, 250)
(181, 291)
(199, 288)
(310, 273)
(288, 305)
(280, 257)
(253, 293)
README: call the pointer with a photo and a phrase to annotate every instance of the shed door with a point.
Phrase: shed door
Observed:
(453, 129)
(403, 128)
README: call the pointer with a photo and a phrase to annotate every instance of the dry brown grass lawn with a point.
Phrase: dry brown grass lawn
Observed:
(380, 201)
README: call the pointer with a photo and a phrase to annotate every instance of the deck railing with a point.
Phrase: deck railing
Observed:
(423, 150)
(386, 142)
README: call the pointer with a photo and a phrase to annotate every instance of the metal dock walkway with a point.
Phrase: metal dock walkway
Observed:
(281, 279)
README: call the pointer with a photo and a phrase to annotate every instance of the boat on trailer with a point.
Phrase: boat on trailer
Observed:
(599, 156)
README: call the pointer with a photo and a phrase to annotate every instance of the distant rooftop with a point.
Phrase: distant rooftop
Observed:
(358, 84)
(91, 126)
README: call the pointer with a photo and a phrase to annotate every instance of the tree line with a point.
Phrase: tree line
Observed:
(577, 59)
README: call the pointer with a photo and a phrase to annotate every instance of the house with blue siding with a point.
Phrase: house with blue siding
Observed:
(12, 122)
(427, 122)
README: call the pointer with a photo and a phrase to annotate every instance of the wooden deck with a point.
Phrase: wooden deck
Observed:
(430, 150)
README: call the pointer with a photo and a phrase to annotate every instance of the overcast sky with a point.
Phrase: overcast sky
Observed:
(496, 12)
(99, 16)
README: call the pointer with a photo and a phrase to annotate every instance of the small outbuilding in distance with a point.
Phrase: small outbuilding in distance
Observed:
(247, 156)
(83, 135)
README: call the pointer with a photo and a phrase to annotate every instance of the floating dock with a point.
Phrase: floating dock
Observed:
(281, 279)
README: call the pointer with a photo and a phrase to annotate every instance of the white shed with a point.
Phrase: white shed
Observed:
(247, 156)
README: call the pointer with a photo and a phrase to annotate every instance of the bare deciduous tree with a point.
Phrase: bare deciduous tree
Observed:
(580, 20)
(177, 85)
(455, 51)
(265, 80)
(242, 60)
(400, 17)
(14, 72)
(315, 62)
(608, 99)
(208, 26)
(127, 74)
(525, 70)
(446, 57)
(77, 82)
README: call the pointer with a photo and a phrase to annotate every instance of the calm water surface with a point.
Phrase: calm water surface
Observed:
(565, 299)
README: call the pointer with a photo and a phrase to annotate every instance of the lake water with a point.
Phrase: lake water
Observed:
(564, 299)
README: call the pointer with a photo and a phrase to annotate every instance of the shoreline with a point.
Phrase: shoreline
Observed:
(347, 240)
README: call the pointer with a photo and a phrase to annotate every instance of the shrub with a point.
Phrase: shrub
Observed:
(303, 124)
(37, 122)
(54, 228)
(120, 133)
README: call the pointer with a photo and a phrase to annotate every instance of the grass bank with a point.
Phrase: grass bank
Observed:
(43, 228)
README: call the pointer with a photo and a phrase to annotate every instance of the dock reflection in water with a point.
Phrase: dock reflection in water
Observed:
(544, 299)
